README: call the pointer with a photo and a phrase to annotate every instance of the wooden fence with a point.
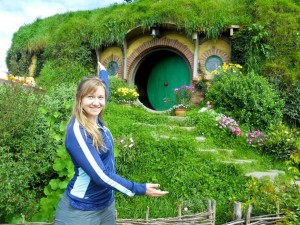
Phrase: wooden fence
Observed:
(204, 218)
(257, 220)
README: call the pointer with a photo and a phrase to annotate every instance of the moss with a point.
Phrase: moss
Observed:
(91, 30)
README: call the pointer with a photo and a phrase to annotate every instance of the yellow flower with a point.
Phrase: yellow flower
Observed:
(126, 95)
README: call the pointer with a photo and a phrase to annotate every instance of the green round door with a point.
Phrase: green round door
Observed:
(169, 73)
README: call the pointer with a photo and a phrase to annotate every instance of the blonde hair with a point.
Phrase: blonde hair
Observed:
(86, 86)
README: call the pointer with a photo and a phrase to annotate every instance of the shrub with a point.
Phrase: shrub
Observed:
(250, 99)
(291, 110)
(264, 194)
(281, 141)
(26, 157)
(250, 46)
(52, 75)
(57, 110)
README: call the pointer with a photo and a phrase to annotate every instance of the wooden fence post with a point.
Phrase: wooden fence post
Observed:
(214, 209)
(179, 211)
(209, 209)
(237, 214)
(23, 218)
(147, 214)
(248, 216)
(277, 209)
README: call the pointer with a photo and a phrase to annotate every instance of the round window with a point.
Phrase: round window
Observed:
(212, 63)
(112, 68)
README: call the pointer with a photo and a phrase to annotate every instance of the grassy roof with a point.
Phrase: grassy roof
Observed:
(110, 25)
(64, 35)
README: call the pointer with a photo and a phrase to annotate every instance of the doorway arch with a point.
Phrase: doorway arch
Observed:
(158, 75)
(158, 69)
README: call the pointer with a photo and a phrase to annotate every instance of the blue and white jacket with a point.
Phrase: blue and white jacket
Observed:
(95, 180)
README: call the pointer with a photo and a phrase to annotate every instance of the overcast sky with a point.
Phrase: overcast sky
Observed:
(14, 14)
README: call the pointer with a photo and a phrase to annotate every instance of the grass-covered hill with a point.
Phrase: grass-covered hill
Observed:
(35, 167)
(195, 159)
(65, 44)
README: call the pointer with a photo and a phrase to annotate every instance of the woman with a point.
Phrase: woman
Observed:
(89, 196)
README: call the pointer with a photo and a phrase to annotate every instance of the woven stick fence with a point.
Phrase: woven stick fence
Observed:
(258, 220)
(204, 218)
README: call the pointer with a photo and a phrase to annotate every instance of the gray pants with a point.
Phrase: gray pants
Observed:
(67, 215)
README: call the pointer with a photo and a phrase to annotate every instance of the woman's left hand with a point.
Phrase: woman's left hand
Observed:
(153, 191)
(101, 67)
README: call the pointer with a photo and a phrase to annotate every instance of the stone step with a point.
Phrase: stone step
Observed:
(239, 161)
(216, 150)
(167, 137)
(297, 182)
(171, 127)
(188, 128)
(209, 150)
(200, 139)
(272, 174)
(179, 118)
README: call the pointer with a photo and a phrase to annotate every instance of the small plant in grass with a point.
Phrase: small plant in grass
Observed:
(256, 138)
(229, 124)
(125, 148)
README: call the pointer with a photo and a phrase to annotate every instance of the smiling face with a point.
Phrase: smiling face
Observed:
(93, 103)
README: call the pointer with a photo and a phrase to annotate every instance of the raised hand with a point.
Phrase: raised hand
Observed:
(101, 67)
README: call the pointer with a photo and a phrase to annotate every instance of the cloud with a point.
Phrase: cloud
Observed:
(15, 14)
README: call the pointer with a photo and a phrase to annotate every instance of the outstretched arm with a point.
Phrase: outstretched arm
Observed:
(103, 75)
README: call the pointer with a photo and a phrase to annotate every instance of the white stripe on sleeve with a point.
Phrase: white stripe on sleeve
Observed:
(94, 164)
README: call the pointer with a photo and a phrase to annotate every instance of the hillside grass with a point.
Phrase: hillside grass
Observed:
(163, 151)
(166, 153)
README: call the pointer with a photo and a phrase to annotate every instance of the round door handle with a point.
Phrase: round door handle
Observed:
(166, 83)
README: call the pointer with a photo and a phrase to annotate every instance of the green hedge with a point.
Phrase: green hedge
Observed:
(26, 155)
(249, 99)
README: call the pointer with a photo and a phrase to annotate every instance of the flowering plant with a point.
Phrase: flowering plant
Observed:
(183, 96)
(256, 138)
(125, 148)
(181, 106)
(230, 124)
(126, 95)
(227, 69)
